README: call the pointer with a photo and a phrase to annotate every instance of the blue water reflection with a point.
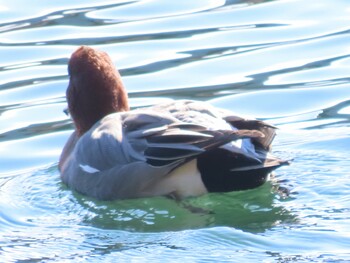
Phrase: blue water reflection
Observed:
(282, 61)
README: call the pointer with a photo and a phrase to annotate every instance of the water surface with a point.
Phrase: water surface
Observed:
(286, 62)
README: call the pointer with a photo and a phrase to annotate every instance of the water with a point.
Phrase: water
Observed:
(286, 62)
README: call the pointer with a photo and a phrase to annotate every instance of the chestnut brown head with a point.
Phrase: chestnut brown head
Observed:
(95, 88)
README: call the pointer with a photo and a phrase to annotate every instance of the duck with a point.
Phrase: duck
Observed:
(177, 149)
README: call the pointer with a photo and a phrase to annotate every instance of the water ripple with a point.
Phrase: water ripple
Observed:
(281, 61)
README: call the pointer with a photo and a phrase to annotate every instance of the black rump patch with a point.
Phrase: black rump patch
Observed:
(215, 167)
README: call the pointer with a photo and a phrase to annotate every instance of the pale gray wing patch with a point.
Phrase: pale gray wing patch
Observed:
(161, 146)
(160, 139)
(191, 146)
(194, 112)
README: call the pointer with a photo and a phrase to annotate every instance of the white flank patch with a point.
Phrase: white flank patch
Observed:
(184, 181)
(88, 169)
(187, 180)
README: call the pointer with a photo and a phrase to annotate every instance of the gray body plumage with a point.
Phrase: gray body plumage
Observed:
(132, 154)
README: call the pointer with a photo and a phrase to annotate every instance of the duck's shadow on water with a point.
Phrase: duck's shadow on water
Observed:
(253, 211)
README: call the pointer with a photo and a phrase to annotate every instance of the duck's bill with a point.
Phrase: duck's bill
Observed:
(66, 111)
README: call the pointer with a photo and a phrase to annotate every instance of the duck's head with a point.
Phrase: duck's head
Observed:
(95, 88)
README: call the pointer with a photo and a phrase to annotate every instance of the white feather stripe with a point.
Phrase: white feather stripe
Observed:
(88, 169)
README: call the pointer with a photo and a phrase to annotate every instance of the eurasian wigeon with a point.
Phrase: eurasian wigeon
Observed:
(178, 149)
